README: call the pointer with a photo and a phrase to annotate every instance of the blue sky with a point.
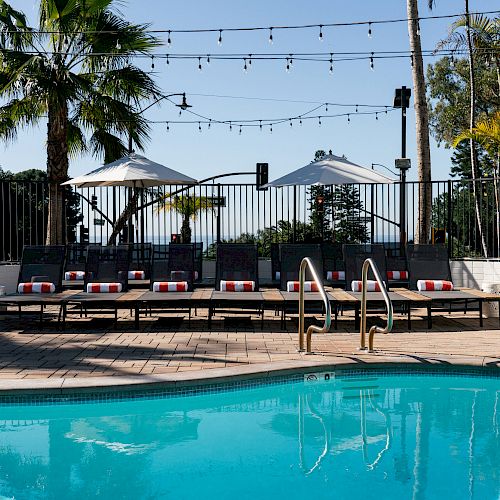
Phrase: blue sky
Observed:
(364, 140)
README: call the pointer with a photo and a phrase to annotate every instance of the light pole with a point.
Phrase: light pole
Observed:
(183, 105)
(402, 100)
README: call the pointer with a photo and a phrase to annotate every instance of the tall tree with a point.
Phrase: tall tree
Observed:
(73, 71)
(422, 124)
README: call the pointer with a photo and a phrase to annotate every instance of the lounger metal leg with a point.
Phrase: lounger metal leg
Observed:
(356, 317)
(116, 317)
(409, 317)
(481, 321)
(336, 317)
(136, 317)
(41, 316)
(429, 317)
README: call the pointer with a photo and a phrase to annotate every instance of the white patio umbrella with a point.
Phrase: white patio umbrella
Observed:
(331, 170)
(133, 171)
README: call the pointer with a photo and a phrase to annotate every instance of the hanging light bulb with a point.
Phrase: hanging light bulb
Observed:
(169, 40)
(245, 67)
(319, 121)
(210, 122)
(356, 108)
(291, 124)
(326, 107)
(168, 127)
(219, 41)
(300, 121)
(199, 63)
(331, 63)
(371, 62)
(260, 125)
(230, 127)
(208, 58)
(376, 116)
(239, 130)
(348, 118)
(271, 128)
(291, 60)
(152, 62)
(369, 30)
(287, 66)
(199, 126)
(271, 36)
(249, 59)
(118, 46)
(320, 33)
(168, 61)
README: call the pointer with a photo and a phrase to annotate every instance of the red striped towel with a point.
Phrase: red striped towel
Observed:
(335, 275)
(237, 286)
(170, 286)
(434, 285)
(397, 275)
(74, 275)
(38, 287)
(104, 287)
(371, 286)
(309, 286)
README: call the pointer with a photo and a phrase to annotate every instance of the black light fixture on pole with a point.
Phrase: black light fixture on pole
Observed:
(183, 105)
(402, 100)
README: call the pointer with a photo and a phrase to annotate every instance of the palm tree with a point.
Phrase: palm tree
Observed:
(74, 73)
(482, 41)
(188, 207)
(422, 124)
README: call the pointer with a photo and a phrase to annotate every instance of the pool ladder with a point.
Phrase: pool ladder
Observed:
(307, 263)
(374, 329)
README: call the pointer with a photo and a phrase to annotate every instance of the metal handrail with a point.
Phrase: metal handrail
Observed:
(374, 329)
(306, 262)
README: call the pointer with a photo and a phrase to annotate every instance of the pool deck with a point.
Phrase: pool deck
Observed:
(93, 354)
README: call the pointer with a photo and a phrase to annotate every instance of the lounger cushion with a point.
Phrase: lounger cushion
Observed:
(294, 286)
(397, 275)
(136, 275)
(170, 286)
(434, 285)
(371, 286)
(335, 275)
(237, 286)
(104, 287)
(38, 287)
(74, 275)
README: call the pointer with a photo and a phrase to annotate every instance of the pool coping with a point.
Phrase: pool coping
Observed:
(252, 372)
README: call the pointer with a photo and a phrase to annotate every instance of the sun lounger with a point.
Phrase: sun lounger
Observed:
(236, 280)
(40, 278)
(429, 267)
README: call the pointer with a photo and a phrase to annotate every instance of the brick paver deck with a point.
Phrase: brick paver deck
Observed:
(95, 348)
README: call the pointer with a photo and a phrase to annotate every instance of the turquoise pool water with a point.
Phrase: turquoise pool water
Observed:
(359, 436)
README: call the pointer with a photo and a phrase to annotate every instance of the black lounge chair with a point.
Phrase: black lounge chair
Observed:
(41, 268)
(105, 265)
(291, 256)
(174, 263)
(198, 261)
(236, 262)
(431, 262)
(140, 262)
(76, 261)
(275, 263)
(333, 264)
(354, 258)
(397, 267)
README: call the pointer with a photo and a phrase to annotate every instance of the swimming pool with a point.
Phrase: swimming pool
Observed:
(358, 435)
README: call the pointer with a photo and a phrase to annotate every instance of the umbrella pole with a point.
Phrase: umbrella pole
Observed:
(294, 230)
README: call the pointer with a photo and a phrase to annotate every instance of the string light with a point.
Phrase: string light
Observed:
(245, 67)
(208, 58)
(209, 123)
(331, 63)
(320, 32)
(168, 127)
(326, 107)
(356, 108)
(271, 36)
(230, 127)
(291, 60)
(249, 59)
(271, 129)
(319, 121)
(152, 62)
(369, 30)
(348, 118)
(287, 65)
(239, 131)
(219, 41)
(291, 124)
(169, 40)
(300, 121)
(199, 126)
(371, 62)
(376, 116)
(199, 63)
(260, 125)
(168, 61)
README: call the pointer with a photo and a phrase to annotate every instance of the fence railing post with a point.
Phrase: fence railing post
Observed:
(449, 219)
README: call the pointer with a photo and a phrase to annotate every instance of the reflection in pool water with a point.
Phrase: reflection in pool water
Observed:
(356, 437)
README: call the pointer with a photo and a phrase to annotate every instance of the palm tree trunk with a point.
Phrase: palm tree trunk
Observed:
(129, 210)
(476, 186)
(422, 127)
(57, 171)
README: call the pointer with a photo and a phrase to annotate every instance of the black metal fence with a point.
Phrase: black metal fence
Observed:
(239, 212)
